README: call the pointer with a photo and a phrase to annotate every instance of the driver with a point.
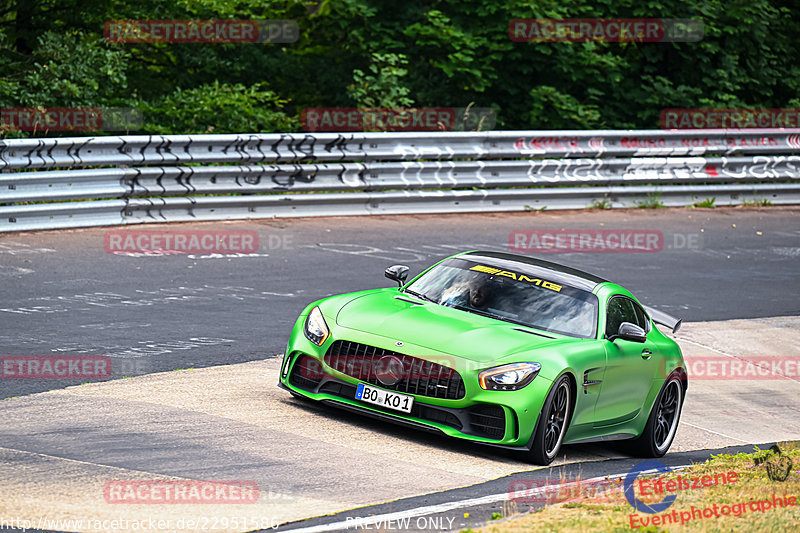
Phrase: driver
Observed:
(477, 293)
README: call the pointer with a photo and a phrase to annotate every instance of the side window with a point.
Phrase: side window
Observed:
(619, 310)
(641, 318)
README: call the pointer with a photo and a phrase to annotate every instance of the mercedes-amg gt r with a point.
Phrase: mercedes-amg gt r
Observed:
(499, 349)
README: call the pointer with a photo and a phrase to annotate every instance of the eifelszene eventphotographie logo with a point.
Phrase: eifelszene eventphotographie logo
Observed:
(630, 494)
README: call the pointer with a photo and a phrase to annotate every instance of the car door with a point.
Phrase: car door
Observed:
(630, 366)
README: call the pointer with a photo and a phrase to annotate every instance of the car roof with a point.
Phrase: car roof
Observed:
(537, 267)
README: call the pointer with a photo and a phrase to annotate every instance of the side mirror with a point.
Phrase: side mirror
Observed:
(630, 332)
(397, 273)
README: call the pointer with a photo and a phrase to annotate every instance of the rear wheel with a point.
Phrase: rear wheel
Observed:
(553, 422)
(663, 422)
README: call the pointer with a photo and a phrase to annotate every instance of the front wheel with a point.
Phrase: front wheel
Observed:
(663, 422)
(553, 422)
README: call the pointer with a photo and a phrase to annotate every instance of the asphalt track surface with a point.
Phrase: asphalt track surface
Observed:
(61, 293)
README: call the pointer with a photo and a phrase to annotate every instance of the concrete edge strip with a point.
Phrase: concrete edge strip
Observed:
(433, 509)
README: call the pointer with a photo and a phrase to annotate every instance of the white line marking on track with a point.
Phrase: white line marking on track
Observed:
(714, 432)
(89, 463)
(13, 270)
(224, 256)
(684, 339)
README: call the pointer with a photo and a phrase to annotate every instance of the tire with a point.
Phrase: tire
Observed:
(553, 422)
(662, 424)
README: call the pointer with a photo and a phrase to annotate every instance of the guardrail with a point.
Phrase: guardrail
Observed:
(77, 182)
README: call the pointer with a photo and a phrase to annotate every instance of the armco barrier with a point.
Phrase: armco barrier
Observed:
(76, 182)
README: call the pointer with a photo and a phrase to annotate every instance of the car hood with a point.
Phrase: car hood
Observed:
(406, 318)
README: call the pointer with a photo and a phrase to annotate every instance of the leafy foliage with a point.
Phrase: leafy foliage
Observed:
(382, 88)
(219, 108)
(380, 53)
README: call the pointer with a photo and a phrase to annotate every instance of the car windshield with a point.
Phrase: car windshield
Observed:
(510, 296)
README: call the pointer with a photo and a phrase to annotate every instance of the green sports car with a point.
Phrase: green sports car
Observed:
(496, 348)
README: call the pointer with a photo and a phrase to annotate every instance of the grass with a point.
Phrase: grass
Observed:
(759, 475)
(537, 209)
(756, 202)
(601, 204)
(653, 201)
(708, 202)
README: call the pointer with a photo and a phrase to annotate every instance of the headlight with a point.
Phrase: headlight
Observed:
(316, 329)
(509, 377)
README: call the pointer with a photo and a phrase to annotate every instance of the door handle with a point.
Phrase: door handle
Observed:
(646, 354)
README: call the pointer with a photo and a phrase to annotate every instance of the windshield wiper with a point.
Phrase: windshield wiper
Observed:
(420, 296)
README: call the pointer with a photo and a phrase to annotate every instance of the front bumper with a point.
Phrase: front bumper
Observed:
(498, 418)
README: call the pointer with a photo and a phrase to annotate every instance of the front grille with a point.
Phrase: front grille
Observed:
(419, 376)
(423, 412)
(488, 421)
(306, 373)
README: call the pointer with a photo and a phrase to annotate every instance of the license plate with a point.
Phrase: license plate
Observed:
(384, 398)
